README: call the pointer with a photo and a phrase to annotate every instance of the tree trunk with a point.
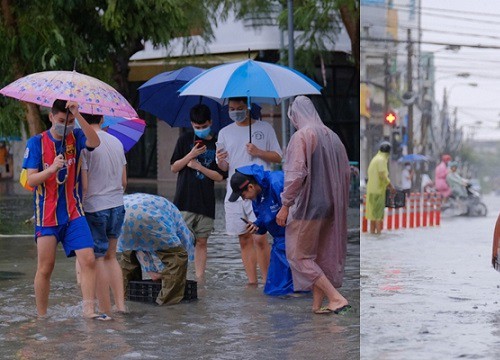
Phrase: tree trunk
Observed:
(351, 22)
(120, 64)
(34, 119)
(32, 111)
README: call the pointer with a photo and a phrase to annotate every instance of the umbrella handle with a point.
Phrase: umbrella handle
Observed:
(62, 149)
(60, 182)
(249, 115)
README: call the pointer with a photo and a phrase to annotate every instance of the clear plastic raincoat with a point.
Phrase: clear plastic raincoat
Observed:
(316, 189)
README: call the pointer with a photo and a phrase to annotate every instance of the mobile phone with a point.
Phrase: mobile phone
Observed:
(199, 142)
(245, 221)
(220, 146)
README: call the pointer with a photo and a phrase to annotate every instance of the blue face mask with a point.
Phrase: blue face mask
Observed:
(203, 133)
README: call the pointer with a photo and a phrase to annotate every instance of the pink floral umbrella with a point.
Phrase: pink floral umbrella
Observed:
(93, 95)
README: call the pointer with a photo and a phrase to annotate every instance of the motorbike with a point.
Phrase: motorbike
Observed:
(469, 206)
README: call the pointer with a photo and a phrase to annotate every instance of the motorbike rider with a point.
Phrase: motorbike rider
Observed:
(441, 172)
(456, 182)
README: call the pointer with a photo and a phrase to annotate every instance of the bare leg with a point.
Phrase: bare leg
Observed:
(248, 257)
(263, 254)
(373, 227)
(200, 257)
(318, 297)
(380, 225)
(115, 275)
(325, 288)
(102, 286)
(78, 272)
(86, 259)
(46, 249)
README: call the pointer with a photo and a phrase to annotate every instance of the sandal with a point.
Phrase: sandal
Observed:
(101, 317)
(342, 310)
(323, 311)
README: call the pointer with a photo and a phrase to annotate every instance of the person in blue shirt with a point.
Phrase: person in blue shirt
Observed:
(264, 189)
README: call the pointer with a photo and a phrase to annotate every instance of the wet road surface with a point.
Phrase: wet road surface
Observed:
(228, 321)
(431, 293)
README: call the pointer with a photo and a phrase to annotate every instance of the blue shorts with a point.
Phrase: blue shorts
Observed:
(74, 235)
(105, 224)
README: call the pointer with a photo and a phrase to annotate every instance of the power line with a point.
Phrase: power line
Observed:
(474, 46)
(445, 14)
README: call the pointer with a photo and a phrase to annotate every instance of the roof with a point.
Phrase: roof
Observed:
(230, 36)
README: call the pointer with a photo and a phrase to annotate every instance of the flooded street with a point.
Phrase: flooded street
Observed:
(228, 321)
(431, 293)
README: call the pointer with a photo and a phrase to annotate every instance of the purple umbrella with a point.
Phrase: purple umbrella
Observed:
(127, 130)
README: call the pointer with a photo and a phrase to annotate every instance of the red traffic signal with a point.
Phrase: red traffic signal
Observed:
(390, 118)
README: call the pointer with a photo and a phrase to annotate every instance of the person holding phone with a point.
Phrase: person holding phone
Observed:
(194, 160)
(264, 189)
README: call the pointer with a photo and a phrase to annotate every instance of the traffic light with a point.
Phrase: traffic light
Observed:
(390, 118)
(396, 144)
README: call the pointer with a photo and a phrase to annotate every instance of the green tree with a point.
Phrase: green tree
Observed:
(317, 22)
(101, 35)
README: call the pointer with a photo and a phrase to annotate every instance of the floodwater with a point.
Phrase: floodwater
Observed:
(431, 293)
(228, 321)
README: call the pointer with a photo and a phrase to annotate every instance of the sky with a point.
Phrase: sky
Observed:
(473, 23)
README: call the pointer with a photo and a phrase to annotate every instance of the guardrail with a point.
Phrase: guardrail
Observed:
(420, 210)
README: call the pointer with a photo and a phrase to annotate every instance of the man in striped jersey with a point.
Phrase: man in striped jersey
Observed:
(54, 172)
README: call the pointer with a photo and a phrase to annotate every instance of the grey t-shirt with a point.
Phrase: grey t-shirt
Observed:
(105, 168)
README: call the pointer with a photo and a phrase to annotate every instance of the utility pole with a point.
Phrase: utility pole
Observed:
(386, 83)
(386, 130)
(409, 80)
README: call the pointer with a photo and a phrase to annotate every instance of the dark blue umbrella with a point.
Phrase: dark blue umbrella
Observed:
(413, 158)
(159, 96)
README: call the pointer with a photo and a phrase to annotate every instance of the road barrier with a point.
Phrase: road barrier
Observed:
(420, 210)
(364, 225)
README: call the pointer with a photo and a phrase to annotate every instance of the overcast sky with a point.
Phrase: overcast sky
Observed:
(475, 23)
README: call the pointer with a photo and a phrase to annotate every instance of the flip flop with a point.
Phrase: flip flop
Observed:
(323, 311)
(342, 310)
(102, 317)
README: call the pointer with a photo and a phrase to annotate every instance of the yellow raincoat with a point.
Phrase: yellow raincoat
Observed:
(378, 179)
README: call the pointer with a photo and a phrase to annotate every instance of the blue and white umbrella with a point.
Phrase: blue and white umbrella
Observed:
(413, 158)
(261, 82)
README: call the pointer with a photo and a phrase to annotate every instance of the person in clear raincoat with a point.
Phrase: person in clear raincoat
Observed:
(156, 240)
(315, 200)
(264, 189)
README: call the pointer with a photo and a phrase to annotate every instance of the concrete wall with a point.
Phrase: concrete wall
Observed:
(167, 138)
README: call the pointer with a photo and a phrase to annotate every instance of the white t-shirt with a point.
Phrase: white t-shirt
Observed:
(405, 179)
(105, 168)
(235, 137)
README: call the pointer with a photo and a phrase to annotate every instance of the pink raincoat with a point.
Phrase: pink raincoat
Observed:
(440, 183)
(317, 191)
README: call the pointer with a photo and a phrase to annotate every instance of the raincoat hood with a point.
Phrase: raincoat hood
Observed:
(383, 154)
(302, 113)
(257, 171)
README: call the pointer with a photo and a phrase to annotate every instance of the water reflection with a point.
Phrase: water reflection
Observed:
(228, 320)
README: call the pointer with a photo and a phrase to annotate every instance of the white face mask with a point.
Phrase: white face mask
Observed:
(59, 129)
(238, 115)
(408, 167)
